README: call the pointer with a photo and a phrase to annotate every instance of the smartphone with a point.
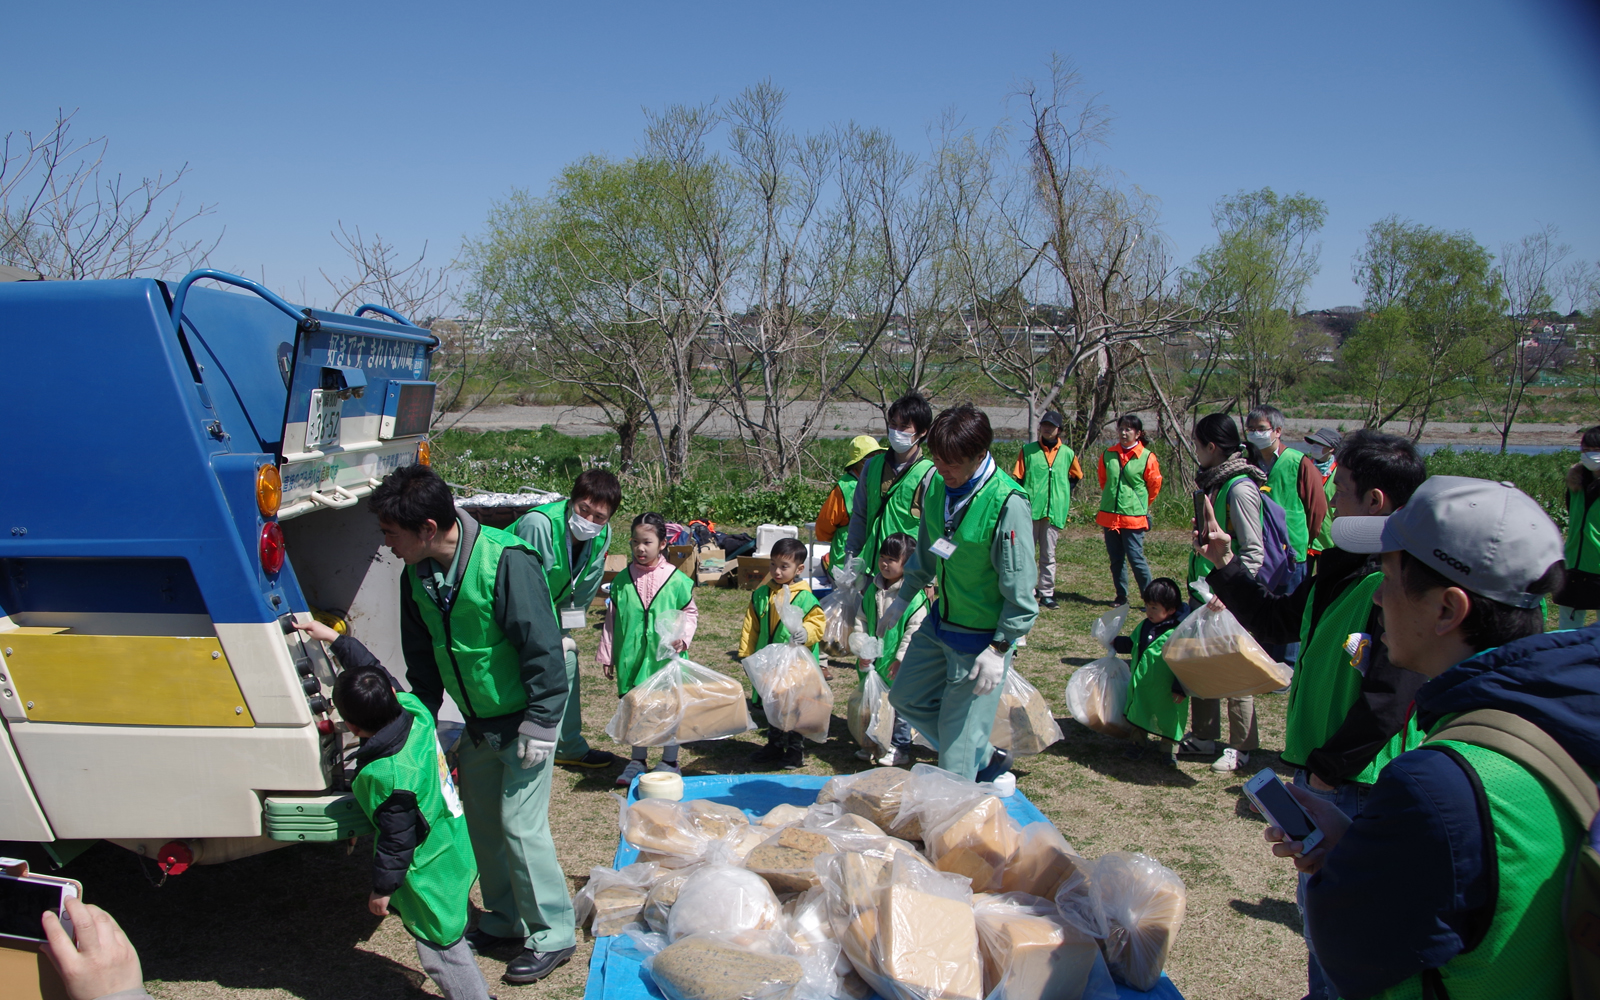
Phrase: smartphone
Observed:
(1267, 791)
(1200, 505)
(23, 900)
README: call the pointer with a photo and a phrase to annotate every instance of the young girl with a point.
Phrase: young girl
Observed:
(763, 627)
(628, 640)
(877, 597)
(1156, 701)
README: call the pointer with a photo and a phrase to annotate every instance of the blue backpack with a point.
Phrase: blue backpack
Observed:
(1276, 561)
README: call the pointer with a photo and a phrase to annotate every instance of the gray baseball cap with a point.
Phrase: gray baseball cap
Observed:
(1489, 538)
(1051, 417)
(1326, 436)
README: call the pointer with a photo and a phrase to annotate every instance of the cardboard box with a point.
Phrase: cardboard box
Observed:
(615, 563)
(753, 570)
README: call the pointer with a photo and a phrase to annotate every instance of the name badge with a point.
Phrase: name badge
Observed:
(573, 618)
(944, 548)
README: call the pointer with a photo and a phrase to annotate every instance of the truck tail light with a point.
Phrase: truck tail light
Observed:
(269, 490)
(424, 453)
(272, 548)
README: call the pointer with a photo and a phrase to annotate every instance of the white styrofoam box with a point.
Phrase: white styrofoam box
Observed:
(766, 534)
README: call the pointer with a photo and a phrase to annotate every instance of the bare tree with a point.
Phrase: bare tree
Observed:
(1529, 274)
(62, 216)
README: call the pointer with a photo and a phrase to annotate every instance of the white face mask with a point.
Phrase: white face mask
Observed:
(1261, 439)
(583, 529)
(1590, 460)
(901, 441)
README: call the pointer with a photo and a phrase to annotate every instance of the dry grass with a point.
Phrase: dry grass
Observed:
(294, 923)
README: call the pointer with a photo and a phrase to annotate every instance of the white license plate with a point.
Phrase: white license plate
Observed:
(322, 424)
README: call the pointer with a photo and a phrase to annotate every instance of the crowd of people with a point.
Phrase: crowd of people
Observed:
(1411, 609)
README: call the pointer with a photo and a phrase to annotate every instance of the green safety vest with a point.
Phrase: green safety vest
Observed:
(1324, 539)
(1523, 954)
(1125, 492)
(896, 632)
(1326, 682)
(969, 587)
(433, 900)
(1583, 532)
(633, 626)
(1283, 485)
(892, 507)
(480, 669)
(557, 571)
(1049, 495)
(836, 548)
(1150, 704)
(773, 629)
(1200, 566)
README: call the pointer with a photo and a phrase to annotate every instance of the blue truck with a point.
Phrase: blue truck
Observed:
(182, 477)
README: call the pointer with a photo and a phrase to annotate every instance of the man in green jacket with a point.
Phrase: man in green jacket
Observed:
(976, 540)
(571, 537)
(893, 484)
(476, 621)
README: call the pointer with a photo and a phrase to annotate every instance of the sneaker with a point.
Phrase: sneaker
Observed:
(633, 770)
(773, 751)
(482, 942)
(1193, 747)
(670, 766)
(594, 759)
(864, 754)
(1231, 760)
(793, 757)
(1049, 603)
(902, 757)
(999, 763)
(532, 966)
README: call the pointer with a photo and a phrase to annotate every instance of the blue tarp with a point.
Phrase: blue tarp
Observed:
(615, 972)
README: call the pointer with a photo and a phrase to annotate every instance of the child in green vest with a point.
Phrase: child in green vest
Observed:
(879, 595)
(630, 639)
(764, 626)
(422, 862)
(1157, 702)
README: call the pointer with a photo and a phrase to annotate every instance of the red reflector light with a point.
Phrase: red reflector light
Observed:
(272, 548)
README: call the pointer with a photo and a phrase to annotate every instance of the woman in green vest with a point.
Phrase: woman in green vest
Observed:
(976, 542)
(1130, 481)
(894, 483)
(631, 637)
(835, 512)
(1581, 594)
(876, 599)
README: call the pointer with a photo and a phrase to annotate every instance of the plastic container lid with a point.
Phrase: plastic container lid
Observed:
(663, 785)
(1005, 785)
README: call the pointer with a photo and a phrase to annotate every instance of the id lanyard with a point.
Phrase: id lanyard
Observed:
(572, 617)
(944, 548)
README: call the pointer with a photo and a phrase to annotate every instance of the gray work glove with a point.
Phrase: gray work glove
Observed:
(892, 614)
(532, 752)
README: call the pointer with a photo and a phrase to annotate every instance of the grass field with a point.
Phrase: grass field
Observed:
(293, 923)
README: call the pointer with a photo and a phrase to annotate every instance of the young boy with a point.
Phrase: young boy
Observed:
(875, 600)
(763, 627)
(1157, 703)
(422, 862)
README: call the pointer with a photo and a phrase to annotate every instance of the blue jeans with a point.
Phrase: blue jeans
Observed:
(1349, 797)
(1126, 544)
(901, 736)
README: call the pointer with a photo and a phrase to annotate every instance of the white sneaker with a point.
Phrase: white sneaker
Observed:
(1231, 760)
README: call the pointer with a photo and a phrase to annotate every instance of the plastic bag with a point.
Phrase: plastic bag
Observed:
(1213, 656)
(880, 721)
(1097, 696)
(933, 797)
(723, 897)
(1029, 952)
(671, 627)
(1024, 723)
(838, 617)
(787, 859)
(866, 647)
(927, 940)
(977, 841)
(726, 966)
(613, 898)
(782, 815)
(715, 819)
(794, 694)
(683, 702)
(877, 795)
(1108, 626)
(1144, 903)
(852, 887)
(658, 901)
(811, 930)
(662, 826)
(1043, 860)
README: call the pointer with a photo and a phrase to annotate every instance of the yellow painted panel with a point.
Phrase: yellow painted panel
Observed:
(34, 630)
(129, 680)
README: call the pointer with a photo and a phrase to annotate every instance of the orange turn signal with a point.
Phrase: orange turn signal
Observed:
(269, 490)
(424, 453)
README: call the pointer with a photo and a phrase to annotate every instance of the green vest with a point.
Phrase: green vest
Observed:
(1283, 485)
(896, 632)
(480, 669)
(633, 626)
(1125, 492)
(773, 630)
(1583, 532)
(433, 900)
(1150, 704)
(557, 573)
(1326, 682)
(1524, 953)
(890, 506)
(1200, 566)
(1048, 485)
(969, 587)
(847, 489)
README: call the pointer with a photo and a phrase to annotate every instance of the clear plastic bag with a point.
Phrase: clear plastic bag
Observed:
(977, 841)
(782, 815)
(866, 647)
(787, 859)
(794, 694)
(1043, 860)
(839, 617)
(1097, 696)
(880, 720)
(683, 702)
(1029, 952)
(1213, 656)
(613, 898)
(1144, 903)
(1108, 626)
(1024, 723)
(723, 897)
(658, 901)
(852, 886)
(752, 965)
(927, 940)
(663, 827)
(878, 795)
(932, 797)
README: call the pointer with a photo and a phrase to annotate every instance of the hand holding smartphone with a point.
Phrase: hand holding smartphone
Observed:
(25, 898)
(1271, 796)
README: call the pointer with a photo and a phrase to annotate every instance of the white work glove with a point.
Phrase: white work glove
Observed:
(569, 644)
(893, 613)
(795, 621)
(987, 670)
(533, 752)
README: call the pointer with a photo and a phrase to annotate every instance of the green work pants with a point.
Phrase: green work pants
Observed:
(507, 809)
(571, 745)
(932, 692)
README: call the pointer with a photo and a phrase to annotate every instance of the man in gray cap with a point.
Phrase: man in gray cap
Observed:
(1047, 469)
(1324, 442)
(1450, 881)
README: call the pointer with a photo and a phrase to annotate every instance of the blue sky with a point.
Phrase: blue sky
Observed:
(409, 119)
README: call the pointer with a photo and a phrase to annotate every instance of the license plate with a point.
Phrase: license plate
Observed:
(322, 423)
